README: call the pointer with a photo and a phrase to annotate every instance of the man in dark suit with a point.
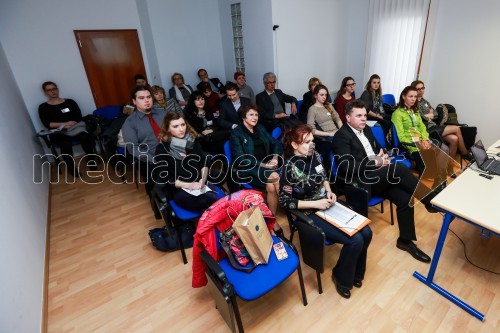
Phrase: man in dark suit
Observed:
(362, 160)
(271, 103)
(216, 85)
(228, 108)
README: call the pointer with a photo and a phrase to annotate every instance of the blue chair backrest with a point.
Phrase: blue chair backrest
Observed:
(378, 133)
(299, 105)
(109, 112)
(389, 99)
(227, 152)
(395, 139)
(276, 133)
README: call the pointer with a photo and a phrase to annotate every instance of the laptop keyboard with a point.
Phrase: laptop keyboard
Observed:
(493, 166)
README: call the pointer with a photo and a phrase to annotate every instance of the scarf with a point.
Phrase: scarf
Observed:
(178, 147)
(203, 117)
(178, 93)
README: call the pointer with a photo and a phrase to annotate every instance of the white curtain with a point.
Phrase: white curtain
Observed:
(395, 34)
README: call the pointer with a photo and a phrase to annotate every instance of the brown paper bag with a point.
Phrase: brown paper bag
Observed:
(252, 230)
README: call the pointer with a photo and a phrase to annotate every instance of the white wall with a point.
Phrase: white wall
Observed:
(24, 213)
(187, 37)
(460, 63)
(40, 44)
(319, 38)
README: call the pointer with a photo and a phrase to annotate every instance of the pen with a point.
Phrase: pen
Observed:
(350, 219)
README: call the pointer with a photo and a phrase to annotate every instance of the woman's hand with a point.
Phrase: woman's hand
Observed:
(272, 164)
(324, 203)
(207, 131)
(195, 186)
(331, 196)
(425, 144)
(183, 103)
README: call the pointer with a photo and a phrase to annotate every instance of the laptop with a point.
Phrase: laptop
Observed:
(483, 161)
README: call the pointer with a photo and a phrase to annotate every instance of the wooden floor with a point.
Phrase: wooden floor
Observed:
(105, 276)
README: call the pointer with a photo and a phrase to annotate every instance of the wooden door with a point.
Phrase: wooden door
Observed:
(111, 59)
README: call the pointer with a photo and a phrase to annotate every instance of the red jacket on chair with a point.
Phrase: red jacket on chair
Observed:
(217, 217)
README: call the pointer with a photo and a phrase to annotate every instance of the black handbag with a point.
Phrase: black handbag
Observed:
(166, 241)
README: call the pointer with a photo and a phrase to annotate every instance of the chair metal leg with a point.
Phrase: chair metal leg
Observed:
(392, 214)
(302, 288)
(237, 314)
(320, 284)
(181, 244)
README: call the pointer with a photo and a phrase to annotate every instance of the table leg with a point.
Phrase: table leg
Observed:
(448, 218)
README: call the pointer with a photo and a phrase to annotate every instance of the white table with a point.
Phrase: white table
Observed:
(473, 199)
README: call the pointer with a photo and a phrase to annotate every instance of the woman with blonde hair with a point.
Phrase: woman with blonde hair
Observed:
(182, 165)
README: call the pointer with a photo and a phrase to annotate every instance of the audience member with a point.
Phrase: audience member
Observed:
(161, 102)
(451, 134)
(372, 97)
(182, 165)
(361, 159)
(272, 105)
(344, 96)
(324, 121)
(245, 90)
(255, 154)
(141, 131)
(202, 120)
(215, 83)
(303, 173)
(212, 98)
(140, 80)
(65, 114)
(229, 118)
(180, 91)
(308, 99)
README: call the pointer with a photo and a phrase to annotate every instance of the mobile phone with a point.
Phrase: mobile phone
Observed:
(280, 251)
(486, 176)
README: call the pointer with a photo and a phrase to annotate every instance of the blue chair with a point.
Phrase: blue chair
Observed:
(226, 282)
(277, 133)
(108, 112)
(356, 196)
(389, 99)
(175, 216)
(378, 133)
(298, 105)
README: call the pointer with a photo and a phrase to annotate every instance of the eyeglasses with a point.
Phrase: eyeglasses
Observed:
(177, 78)
(51, 90)
(420, 89)
(271, 82)
(351, 84)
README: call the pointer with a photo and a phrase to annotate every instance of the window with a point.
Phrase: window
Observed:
(239, 55)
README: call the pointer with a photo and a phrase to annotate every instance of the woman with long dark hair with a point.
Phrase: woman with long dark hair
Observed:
(372, 97)
(344, 96)
(182, 165)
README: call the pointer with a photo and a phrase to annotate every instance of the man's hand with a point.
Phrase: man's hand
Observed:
(294, 109)
(382, 159)
(207, 131)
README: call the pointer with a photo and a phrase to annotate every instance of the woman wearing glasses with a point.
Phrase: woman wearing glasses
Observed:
(372, 97)
(450, 134)
(180, 91)
(65, 115)
(344, 96)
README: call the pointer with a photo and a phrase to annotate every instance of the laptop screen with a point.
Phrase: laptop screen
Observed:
(479, 152)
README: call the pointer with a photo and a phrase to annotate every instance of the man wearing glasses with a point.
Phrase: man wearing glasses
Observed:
(271, 103)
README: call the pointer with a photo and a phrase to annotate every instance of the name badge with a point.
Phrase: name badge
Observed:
(209, 123)
(328, 114)
(319, 168)
(65, 110)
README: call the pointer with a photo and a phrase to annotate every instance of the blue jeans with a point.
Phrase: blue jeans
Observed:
(352, 260)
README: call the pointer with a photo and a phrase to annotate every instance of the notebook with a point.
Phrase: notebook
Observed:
(482, 160)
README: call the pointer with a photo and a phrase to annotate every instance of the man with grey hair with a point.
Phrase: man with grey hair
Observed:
(271, 103)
